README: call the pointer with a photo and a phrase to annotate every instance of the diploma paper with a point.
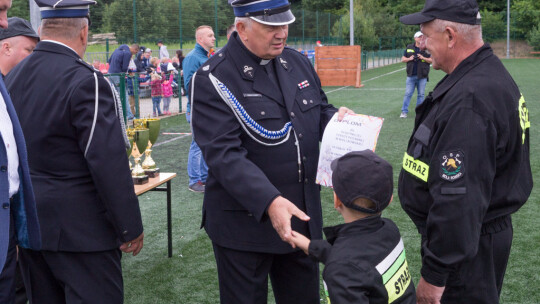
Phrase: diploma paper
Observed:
(355, 132)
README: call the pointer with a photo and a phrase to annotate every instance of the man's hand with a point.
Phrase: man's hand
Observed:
(342, 111)
(300, 241)
(134, 246)
(280, 212)
(427, 293)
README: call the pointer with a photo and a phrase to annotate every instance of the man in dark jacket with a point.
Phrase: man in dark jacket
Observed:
(466, 168)
(258, 116)
(418, 61)
(87, 208)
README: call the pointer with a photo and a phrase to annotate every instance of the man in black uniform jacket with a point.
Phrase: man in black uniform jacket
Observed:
(466, 169)
(258, 115)
(87, 209)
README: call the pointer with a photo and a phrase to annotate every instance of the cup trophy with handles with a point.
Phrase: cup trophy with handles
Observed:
(130, 133)
(140, 139)
(148, 165)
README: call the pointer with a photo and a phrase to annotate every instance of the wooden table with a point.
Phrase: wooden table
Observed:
(153, 185)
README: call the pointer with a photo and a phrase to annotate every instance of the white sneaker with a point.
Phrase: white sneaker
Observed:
(403, 115)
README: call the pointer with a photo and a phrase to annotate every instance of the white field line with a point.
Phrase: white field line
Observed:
(171, 140)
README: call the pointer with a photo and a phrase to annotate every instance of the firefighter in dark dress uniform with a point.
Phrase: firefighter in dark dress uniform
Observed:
(466, 168)
(258, 116)
(87, 209)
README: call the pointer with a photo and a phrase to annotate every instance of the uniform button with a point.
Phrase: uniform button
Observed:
(125, 232)
(304, 102)
(304, 158)
(3, 168)
(250, 214)
(300, 135)
(220, 55)
(306, 180)
(310, 101)
(5, 205)
(292, 114)
(263, 113)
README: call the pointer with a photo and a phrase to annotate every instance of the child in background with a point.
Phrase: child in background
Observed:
(156, 93)
(364, 258)
(154, 65)
(167, 91)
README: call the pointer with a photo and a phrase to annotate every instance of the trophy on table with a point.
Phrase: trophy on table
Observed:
(149, 166)
(140, 140)
(130, 133)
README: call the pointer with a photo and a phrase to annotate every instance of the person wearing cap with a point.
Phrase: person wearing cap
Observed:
(196, 167)
(87, 210)
(466, 168)
(418, 61)
(163, 53)
(16, 42)
(258, 113)
(364, 258)
(19, 224)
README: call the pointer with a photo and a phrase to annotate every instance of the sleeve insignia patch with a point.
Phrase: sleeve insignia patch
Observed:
(452, 165)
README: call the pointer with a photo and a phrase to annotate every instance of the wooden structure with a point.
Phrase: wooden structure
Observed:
(338, 65)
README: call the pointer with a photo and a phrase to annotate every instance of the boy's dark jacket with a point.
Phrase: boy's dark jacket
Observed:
(365, 263)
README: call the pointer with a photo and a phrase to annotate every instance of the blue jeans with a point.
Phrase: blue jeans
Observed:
(420, 85)
(156, 100)
(196, 166)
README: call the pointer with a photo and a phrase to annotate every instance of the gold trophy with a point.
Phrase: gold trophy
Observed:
(149, 166)
(140, 139)
(130, 134)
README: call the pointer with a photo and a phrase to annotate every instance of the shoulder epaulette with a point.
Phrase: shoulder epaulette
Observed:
(212, 62)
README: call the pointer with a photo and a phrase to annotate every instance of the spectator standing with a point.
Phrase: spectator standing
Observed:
(262, 147)
(147, 55)
(87, 214)
(196, 167)
(365, 257)
(163, 53)
(16, 42)
(156, 93)
(167, 89)
(467, 165)
(18, 217)
(230, 29)
(119, 62)
(179, 67)
(418, 61)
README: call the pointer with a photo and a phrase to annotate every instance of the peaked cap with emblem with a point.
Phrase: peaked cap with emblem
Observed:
(460, 11)
(64, 8)
(269, 12)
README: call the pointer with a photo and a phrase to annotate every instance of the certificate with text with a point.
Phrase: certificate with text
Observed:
(356, 132)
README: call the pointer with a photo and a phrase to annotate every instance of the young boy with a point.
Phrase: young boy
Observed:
(364, 258)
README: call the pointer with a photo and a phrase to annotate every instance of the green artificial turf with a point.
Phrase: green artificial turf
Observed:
(190, 275)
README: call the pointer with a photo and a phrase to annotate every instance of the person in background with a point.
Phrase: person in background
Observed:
(19, 224)
(179, 67)
(364, 257)
(167, 91)
(147, 55)
(467, 165)
(87, 215)
(156, 93)
(16, 42)
(230, 29)
(418, 61)
(163, 53)
(196, 167)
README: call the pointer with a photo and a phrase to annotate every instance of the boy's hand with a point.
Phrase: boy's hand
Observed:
(300, 241)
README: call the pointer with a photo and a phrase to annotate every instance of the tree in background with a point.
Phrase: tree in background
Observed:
(20, 8)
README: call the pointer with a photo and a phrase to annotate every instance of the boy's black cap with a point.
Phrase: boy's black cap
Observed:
(461, 11)
(159, 41)
(17, 27)
(363, 174)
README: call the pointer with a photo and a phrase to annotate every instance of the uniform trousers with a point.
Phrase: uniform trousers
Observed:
(243, 277)
(480, 279)
(72, 277)
(7, 276)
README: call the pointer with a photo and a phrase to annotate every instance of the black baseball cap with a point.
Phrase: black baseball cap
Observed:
(17, 27)
(269, 12)
(363, 174)
(461, 11)
(159, 41)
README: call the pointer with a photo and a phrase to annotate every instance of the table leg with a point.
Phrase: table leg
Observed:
(169, 221)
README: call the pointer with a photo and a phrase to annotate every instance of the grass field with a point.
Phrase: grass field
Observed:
(190, 275)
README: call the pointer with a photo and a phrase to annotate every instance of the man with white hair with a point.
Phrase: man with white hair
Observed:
(466, 168)
(258, 114)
